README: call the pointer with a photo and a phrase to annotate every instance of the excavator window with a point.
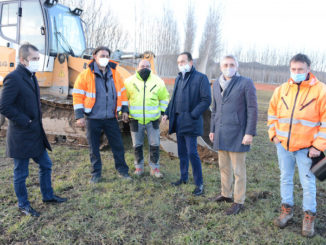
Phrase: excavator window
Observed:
(31, 25)
(66, 32)
(9, 20)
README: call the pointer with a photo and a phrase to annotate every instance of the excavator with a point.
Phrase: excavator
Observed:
(57, 32)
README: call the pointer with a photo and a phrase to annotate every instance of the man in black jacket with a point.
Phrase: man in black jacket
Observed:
(191, 97)
(20, 103)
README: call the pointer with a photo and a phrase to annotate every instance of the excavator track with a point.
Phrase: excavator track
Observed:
(59, 121)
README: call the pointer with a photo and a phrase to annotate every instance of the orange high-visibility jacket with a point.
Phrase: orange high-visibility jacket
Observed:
(297, 114)
(84, 92)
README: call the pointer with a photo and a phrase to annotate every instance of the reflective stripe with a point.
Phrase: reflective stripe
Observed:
(148, 108)
(272, 117)
(90, 95)
(272, 126)
(306, 123)
(323, 124)
(119, 93)
(164, 102)
(124, 103)
(78, 106)
(146, 115)
(284, 120)
(321, 135)
(282, 133)
(78, 91)
(118, 108)
(163, 106)
(88, 110)
(123, 89)
(301, 121)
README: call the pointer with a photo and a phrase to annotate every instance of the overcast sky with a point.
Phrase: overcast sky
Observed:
(297, 25)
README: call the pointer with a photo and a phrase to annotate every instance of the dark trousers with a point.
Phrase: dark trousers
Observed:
(187, 150)
(112, 132)
(21, 173)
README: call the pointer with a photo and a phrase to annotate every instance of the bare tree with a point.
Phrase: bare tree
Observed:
(101, 26)
(190, 28)
(160, 35)
(210, 44)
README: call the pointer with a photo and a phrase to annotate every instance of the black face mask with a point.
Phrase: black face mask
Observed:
(144, 73)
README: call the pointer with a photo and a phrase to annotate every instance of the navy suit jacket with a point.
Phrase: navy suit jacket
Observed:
(196, 93)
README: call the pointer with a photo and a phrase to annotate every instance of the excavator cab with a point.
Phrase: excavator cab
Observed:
(54, 29)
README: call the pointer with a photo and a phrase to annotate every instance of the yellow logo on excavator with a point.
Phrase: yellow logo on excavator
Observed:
(61, 74)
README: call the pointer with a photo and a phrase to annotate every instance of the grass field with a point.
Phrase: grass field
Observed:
(150, 211)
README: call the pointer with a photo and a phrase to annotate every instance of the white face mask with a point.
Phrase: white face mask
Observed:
(229, 72)
(185, 68)
(33, 65)
(103, 62)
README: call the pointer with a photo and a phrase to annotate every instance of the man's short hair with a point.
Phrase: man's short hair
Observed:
(189, 56)
(230, 56)
(100, 48)
(24, 49)
(301, 58)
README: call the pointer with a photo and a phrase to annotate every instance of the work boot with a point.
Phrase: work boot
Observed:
(156, 173)
(308, 224)
(139, 172)
(285, 216)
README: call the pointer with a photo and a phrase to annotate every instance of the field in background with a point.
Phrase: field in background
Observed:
(150, 211)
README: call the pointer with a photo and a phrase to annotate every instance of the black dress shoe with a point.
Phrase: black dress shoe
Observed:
(125, 176)
(29, 211)
(56, 199)
(199, 190)
(95, 179)
(234, 209)
(179, 182)
(221, 198)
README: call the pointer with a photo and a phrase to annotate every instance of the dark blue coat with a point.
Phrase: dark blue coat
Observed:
(196, 99)
(234, 115)
(20, 103)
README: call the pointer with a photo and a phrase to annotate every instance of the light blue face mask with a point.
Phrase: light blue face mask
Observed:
(297, 78)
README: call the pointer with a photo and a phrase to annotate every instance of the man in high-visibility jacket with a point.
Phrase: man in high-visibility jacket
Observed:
(99, 94)
(148, 99)
(297, 126)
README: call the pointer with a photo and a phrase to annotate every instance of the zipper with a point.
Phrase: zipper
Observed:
(144, 102)
(304, 106)
(106, 96)
(291, 119)
(286, 105)
(152, 88)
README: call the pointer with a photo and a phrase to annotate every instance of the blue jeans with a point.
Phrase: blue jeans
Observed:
(287, 161)
(21, 173)
(112, 132)
(137, 131)
(187, 149)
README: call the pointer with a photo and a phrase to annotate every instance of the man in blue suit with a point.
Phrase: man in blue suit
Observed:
(191, 97)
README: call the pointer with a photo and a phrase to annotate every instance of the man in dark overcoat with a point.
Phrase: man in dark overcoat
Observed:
(233, 125)
(20, 103)
(191, 98)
